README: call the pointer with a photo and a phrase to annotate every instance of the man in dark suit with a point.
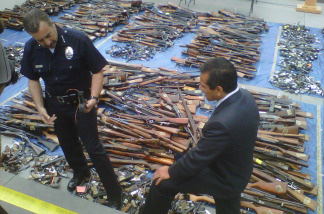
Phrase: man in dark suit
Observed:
(221, 163)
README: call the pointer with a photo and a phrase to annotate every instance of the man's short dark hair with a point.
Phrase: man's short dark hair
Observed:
(32, 18)
(221, 73)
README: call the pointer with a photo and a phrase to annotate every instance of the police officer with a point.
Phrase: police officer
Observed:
(72, 68)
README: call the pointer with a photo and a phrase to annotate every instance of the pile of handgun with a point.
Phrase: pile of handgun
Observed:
(157, 28)
(298, 50)
(100, 17)
(147, 117)
(132, 51)
(12, 19)
(229, 35)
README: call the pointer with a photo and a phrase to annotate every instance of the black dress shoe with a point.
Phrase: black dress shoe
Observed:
(77, 181)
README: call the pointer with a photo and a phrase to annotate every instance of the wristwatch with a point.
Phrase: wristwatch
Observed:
(96, 98)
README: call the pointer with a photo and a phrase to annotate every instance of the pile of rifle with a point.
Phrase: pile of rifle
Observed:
(147, 117)
(144, 121)
(51, 7)
(97, 19)
(277, 182)
(298, 50)
(12, 19)
(131, 6)
(156, 28)
(229, 35)
(21, 119)
(133, 132)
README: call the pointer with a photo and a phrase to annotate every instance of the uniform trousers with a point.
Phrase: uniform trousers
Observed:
(160, 196)
(71, 127)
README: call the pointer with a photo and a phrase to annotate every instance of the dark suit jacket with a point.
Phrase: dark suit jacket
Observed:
(225, 149)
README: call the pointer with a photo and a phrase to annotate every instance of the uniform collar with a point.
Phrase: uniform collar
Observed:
(61, 39)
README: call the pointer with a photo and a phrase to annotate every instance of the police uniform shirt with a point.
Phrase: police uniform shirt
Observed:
(68, 67)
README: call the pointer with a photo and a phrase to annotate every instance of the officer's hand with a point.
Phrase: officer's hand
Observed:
(90, 104)
(161, 174)
(45, 117)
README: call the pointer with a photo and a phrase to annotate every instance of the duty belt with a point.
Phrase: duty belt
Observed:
(70, 99)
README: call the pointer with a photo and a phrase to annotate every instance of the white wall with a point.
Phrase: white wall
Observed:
(10, 3)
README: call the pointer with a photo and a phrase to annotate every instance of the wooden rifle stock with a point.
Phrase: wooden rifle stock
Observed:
(114, 133)
(196, 198)
(287, 130)
(297, 155)
(178, 60)
(26, 116)
(299, 136)
(173, 143)
(30, 104)
(164, 161)
(23, 108)
(52, 137)
(308, 202)
(167, 129)
(180, 121)
(172, 147)
(35, 148)
(259, 209)
(275, 187)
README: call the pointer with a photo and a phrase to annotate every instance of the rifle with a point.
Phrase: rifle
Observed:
(23, 108)
(191, 120)
(165, 97)
(164, 161)
(264, 203)
(51, 145)
(43, 165)
(180, 121)
(37, 150)
(301, 137)
(260, 209)
(285, 176)
(272, 155)
(142, 84)
(275, 187)
(105, 121)
(310, 203)
(25, 116)
(297, 155)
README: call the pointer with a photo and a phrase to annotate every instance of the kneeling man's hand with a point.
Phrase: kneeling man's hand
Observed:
(161, 174)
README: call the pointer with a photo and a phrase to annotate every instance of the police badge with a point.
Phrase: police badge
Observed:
(69, 52)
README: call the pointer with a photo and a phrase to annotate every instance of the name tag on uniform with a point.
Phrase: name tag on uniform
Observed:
(38, 66)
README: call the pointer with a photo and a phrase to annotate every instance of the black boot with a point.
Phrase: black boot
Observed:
(78, 180)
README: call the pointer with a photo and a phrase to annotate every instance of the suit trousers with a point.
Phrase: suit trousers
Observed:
(160, 196)
(71, 127)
